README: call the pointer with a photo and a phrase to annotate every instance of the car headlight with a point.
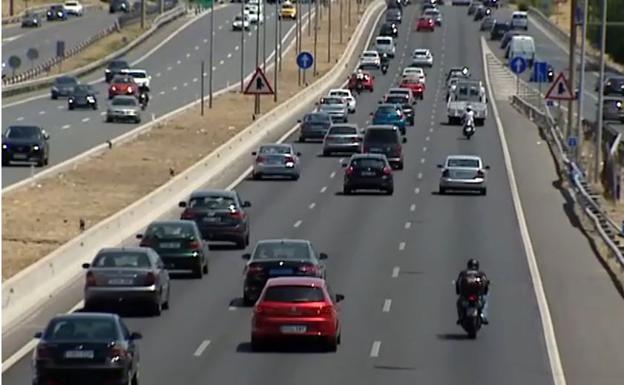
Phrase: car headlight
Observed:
(90, 99)
(70, 100)
(129, 89)
(113, 88)
(60, 14)
(4, 147)
(107, 71)
(54, 88)
(36, 148)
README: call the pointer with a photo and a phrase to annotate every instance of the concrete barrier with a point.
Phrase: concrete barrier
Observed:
(22, 293)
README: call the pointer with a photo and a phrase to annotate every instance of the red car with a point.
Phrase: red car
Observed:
(414, 84)
(123, 85)
(296, 308)
(425, 23)
(367, 83)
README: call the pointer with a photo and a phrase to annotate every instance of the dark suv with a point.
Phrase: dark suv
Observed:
(367, 172)
(56, 12)
(119, 6)
(389, 29)
(25, 144)
(383, 139)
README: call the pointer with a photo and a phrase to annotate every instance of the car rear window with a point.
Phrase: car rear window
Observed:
(473, 163)
(342, 130)
(169, 230)
(118, 64)
(613, 103)
(333, 100)
(140, 75)
(124, 102)
(275, 150)
(213, 202)
(316, 118)
(616, 82)
(368, 162)
(398, 99)
(281, 250)
(120, 259)
(294, 294)
(384, 40)
(81, 329)
(383, 135)
(519, 16)
(66, 80)
(420, 52)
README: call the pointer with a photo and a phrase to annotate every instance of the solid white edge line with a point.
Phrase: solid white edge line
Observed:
(200, 349)
(547, 325)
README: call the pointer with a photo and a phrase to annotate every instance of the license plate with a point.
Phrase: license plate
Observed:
(120, 281)
(212, 219)
(280, 272)
(170, 245)
(293, 329)
(367, 173)
(376, 149)
(20, 156)
(80, 354)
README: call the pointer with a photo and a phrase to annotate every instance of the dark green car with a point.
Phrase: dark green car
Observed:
(180, 246)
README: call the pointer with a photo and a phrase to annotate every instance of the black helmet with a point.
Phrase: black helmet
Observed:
(473, 264)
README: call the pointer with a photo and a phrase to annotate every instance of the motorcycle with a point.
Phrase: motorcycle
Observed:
(384, 68)
(359, 86)
(143, 100)
(468, 129)
(471, 321)
(551, 75)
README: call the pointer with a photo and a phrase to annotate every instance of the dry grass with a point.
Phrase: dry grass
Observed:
(20, 5)
(104, 185)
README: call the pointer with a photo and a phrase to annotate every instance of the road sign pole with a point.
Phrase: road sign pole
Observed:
(202, 87)
(211, 62)
(572, 65)
(242, 42)
(316, 18)
(329, 33)
(598, 144)
(581, 94)
(264, 41)
(276, 51)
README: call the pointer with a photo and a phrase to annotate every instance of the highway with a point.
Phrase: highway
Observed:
(394, 258)
(17, 40)
(175, 69)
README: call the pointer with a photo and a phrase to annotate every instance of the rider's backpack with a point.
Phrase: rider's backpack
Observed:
(472, 284)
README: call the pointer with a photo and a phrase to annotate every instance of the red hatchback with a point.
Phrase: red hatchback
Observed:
(296, 307)
(425, 24)
(367, 82)
(123, 85)
(414, 84)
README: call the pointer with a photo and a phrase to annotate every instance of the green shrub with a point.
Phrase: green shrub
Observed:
(523, 5)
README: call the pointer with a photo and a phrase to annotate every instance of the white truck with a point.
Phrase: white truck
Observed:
(467, 92)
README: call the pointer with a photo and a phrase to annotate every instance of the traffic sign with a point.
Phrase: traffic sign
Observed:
(305, 60)
(258, 85)
(518, 65)
(540, 72)
(15, 62)
(560, 90)
(32, 54)
(572, 141)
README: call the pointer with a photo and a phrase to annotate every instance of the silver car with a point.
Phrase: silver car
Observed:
(434, 14)
(127, 275)
(422, 57)
(370, 59)
(463, 173)
(343, 138)
(125, 108)
(345, 94)
(279, 159)
(336, 108)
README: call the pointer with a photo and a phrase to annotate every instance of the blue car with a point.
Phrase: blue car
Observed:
(390, 114)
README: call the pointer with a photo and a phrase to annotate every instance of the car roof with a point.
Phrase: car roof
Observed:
(367, 155)
(382, 127)
(350, 125)
(295, 281)
(172, 222)
(283, 240)
(471, 157)
(612, 98)
(317, 113)
(208, 192)
(134, 249)
(278, 145)
(346, 90)
(399, 89)
(85, 315)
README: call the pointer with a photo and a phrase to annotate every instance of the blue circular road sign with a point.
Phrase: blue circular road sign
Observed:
(305, 60)
(518, 65)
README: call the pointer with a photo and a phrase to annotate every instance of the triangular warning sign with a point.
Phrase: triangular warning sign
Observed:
(258, 85)
(560, 89)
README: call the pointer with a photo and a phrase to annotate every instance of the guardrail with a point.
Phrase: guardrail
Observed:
(41, 8)
(22, 293)
(35, 84)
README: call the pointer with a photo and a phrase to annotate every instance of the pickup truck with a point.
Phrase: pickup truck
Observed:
(467, 92)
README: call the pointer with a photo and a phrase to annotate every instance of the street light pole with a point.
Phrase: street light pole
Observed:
(603, 47)
(257, 98)
(309, 17)
(572, 65)
(298, 39)
(275, 54)
(279, 39)
(329, 33)
(264, 23)
(242, 42)
(316, 18)
(581, 95)
(211, 54)
(349, 12)
(340, 7)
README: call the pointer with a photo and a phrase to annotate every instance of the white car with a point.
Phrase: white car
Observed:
(422, 56)
(255, 17)
(73, 8)
(240, 23)
(345, 94)
(415, 72)
(370, 59)
(463, 173)
(141, 78)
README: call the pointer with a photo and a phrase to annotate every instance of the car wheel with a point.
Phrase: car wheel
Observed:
(71, 107)
(94, 107)
(247, 301)
(295, 177)
(241, 244)
(137, 120)
(46, 161)
(257, 345)
(390, 191)
(256, 176)
(326, 153)
(483, 191)
(165, 305)
(331, 344)
(205, 268)
(442, 190)
(400, 165)
(302, 139)
(198, 272)
(346, 190)
(156, 308)
(109, 119)
(135, 379)
(54, 96)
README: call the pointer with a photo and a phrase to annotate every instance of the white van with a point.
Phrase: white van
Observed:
(385, 44)
(519, 20)
(523, 46)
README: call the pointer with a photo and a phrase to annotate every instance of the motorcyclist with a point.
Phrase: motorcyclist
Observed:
(143, 98)
(472, 281)
(384, 62)
(551, 74)
(468, 116)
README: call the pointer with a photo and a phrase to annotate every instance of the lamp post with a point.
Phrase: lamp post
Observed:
(276, 51)
(211, 56)
(581, 94)
(603, 47)
(329, 33)
(242, 42)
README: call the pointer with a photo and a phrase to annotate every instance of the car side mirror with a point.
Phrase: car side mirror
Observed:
(439, 166)
(136, 336)
(246, 256)
(139, 236)
(38, 335)
(339, 297)
(323, 256)
(380, 102)
(298, 120)
(182, 204)
(246, 204)
(487, 167)
(404, 140)
(254, 153)
(298, 154)
(344, 165)
(86, 265)
(46, 136)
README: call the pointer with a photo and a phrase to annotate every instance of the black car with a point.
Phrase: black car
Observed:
(386, 140)
(491, 3)
(499, 29)
(507, 38)
(279, 258)
(31, 19)
(395, 4)
(119, 6)
(114, 68)
(25, 144)
(220, 216)
(613, 109)
(406, 106)
(426, 6)
(82, 96)
(389, 29)
(314, 126)
(368, 172)
(56, 12)
(613, 85)
(479, 13)
(487, 23)
(86, 348)
(63, 86)
(394, 15)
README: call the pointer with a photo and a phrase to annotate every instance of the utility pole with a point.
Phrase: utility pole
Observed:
(211, 61)
(202, 88)
(279, 39)
(143, 14)
(349, 12)
(257, 97)
(298, 39)
(242, 42)
(340, 7)
(329, 33)
(161, 6)
(11, 8)
(316, 18)
(309, 17)
(603, 47)
(264, 41)
(572, 65)
(581, 95)
(277, 58)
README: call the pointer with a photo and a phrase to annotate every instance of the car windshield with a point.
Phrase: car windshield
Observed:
(333, 100)
(282, 250)
(368, 162)
(369, 54)
(120, 259)
(471, 163)
(239, 18)
(340, 94)
(213, 202)
(384, 136)
(316, 118)
(66, 80)
(81, 329)
(383, 41)
(614, 103)
(431, 12)
(342, 130)
(294, 294)
(22, 132)
(82, 89)
(169, 230)
(140, 75)
(277, 150)
(124, 102)
(123, 80)
(468, 93)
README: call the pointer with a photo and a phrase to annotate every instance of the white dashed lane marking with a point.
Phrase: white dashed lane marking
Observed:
(201, 348)
(417, 190)
(323, 189)
(386, 306)
(175, 88)
(185, 84)
(420, 175)
(19, 119)
(408, 225)
(103, 113)
(375, 349)
(169, 68)
(60, 107)
(413, 207)
(196, 48)
(401, 246)
(312, 206)
(297, 224)
(85, 119)
(41, 112)
(195, 80)
(229, 55)
(161, 93)
(333, 174)
(179, 62)
(65, 127)
(395, 272)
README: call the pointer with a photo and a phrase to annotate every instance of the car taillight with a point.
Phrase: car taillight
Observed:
(113, 88)
(365, 149)
(445, 173)
(259, 309)
(116, 351)
(44, 352)
(309, 269)
(387, 170)
(349, 171)
(359, 139)
(253, 270)
(150, 279)
(146, 243)
(187, 214)
(236, 214)
(259, 159)
(129, 89)
(195, 245)
(472, 298)
(288, 158)
(90, 281)
(480, 174)
(326, 310)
